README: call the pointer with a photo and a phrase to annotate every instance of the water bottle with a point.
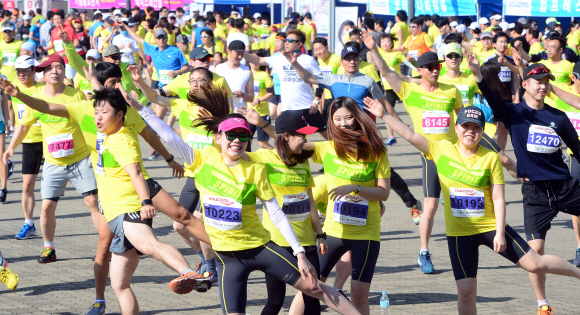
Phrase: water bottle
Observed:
(384, 304)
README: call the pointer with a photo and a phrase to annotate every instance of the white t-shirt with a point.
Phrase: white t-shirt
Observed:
(128, 55)
(39, 75)
(295, 93)
(239, 36)
(237, 79)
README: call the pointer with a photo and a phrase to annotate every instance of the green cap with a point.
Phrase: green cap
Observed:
(453, 48)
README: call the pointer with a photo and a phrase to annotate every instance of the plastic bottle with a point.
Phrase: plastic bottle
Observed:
(384, 304)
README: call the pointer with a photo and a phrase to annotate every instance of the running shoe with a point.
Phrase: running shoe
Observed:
(10, 169)
(97, 309)
(3, 195)
(210, 276)
(416, 211)
(343, 294)
(200, 268)
(189, 282)
(425, 262)
(154, 156)
(9, 278)
(391, 141)
(25, 232)
(576, 261)
(546, 310)
(48, 255)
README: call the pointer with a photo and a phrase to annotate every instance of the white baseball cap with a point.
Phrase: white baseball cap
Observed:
(512, 25)
(257, 15)
(93, 53)
(496, 17)
(235, 12)
(460, 28)
(453, 24)
(474, 25)
(98, 11)
(7, 27)
(187, 18)
(24, 62)
(171, 15)
(483, 20)
(117, 12)
(26, 17)
(194, 8)
(504, 26)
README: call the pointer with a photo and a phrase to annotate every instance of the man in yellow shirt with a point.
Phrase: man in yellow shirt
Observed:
(433, 30)
(561, 68)
(533, 38)
(309, 33)
(401, 29)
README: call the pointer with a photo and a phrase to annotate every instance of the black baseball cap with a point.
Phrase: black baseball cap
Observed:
(293, 121)
(537, 71)
(552, 35)
(237, 45)
(349, 50)
(199, 53)
(471, 113)
(428, 58)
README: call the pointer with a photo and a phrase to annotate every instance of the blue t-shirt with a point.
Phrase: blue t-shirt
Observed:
(276, 80)
(169, 59)
(197, 31)
(94, 27)
(357, 87)
(35, 30)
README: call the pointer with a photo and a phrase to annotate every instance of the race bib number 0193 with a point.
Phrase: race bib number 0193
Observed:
(467, 202)
(543, 139)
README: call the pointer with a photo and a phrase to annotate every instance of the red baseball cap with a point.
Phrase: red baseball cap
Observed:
(48, 61)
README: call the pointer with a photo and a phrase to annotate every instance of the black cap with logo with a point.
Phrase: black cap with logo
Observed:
(293, 121)
(471, 114)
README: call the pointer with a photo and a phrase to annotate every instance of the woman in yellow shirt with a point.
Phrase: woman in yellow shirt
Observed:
(229, 187)
(207, 42)
(472, 183)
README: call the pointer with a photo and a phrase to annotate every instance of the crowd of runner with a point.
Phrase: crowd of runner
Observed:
(76, 93)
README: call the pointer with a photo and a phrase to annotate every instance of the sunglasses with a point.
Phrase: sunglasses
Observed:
(432, 68)
(290, 40)
(539, 70)
(413, 26)
(453, 56)
(204, 36)
(231, 136)
(115, 57)
(205, 59)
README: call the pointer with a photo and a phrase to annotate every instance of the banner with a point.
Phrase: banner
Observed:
(446, 7)
(303, 6)
(9, 5)
(342, 14)
(321, 16)
(388, 7)
(542, 8)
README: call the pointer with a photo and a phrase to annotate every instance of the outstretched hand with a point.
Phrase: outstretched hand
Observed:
(90, 71)
(251, 115)
(473, 63)
(374, 107)
(368, 40)
(8, 87)
(135, 74)
(130, 100)
(63, 35)
(290, 56)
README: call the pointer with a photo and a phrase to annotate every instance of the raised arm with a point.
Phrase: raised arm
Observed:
(302, 73)
(135, 36)
(34, 103)
(389, 75)
(566, 97)
(418, 141)
(252, 58)
(74, 59)
(151, 94)
(254, 118)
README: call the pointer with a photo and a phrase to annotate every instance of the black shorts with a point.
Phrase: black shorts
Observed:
(234, 268)
(275, 100)
(431, 185)
(154, 189)
(391, 97)
(120, 242)
(364, 257)
(574, 167)
(31, 158)
(464, 251)
(315, 120)
(189, 196)
(489, 143)
(262, 135)
(543, 200)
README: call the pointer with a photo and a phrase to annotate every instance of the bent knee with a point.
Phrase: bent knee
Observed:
(178, 227)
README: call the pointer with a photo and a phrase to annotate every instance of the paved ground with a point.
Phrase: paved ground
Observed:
(67, 287)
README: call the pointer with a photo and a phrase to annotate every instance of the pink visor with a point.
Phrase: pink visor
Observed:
(234, 123)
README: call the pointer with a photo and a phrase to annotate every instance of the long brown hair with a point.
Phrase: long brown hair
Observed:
(212, 98)
(290, 160)
(365, 143)
(490, 72)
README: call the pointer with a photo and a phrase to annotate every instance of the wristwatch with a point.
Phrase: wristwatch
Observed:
(358, 189)
(317, 102)
(323, 235)
(146, 202)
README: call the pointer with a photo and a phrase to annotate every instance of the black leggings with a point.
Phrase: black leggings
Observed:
(189, 196)
(401, 188)
(277, 289)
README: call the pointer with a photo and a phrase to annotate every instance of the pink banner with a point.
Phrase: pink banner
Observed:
(107, 4)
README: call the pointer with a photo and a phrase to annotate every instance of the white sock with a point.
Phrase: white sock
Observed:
(100, 301)
(29, 222)
(424, 250)
(49, 244)
(544, 302)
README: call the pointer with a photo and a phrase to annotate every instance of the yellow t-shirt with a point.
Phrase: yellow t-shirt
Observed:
(291, 188)
(10, 51)
(320, 194)
(104, 33)
(465, 84)
(262, 81)
(307, 30)
(34, 135)
(81, 83)
(573, 39)
(116, 191)
(270, 44)
(405, 29)
(219, 32)
(364, 68)
(87, 25)
(432, 112)
(393, 60)
(197, 138)
(562, 72)
(537, 47)
(83, 113)
(463, 67)
(329, 66)
(433, 31)
(63, 141)
(353, 217)
(482, 55)
(465, 183)
(229, 197)
(180, 85)
(216, 49)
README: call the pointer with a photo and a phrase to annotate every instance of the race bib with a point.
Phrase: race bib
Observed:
(467, 202)
(265, 36)
(257, 86)
(351, 210)
(505, 74)
(326, 70)
(9, 58)
(296, 207)
(464, 90)
(100, 149)
(197, 141)
(222, 213)
(436, 121)
(575, 120)
(414, 54)
(58, 45)
(542, 139)
(164, 77)
(61, 145)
